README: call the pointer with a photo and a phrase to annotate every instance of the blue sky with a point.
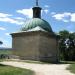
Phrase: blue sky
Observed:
(13, 13)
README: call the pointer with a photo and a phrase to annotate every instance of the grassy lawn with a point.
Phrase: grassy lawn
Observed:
(27, 61)
(72, 68)
(8, 70)
(31, 61)
(5, 52)
(67, 62)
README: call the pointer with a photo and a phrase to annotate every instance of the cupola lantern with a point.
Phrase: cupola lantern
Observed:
(37, 11)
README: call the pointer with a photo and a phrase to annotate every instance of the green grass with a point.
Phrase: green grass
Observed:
(28, 61)
(5, 52)
(71, 68)
(67, 62)
(8, 70)
(36, 62)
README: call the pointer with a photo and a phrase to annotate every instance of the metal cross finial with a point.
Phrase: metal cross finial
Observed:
(36, 2)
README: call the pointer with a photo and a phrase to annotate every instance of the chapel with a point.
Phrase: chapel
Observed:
(36, 39)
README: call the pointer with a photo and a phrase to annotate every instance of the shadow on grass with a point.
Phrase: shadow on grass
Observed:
(40, 62)
(66, 62)
(2, 65)
(60, 62)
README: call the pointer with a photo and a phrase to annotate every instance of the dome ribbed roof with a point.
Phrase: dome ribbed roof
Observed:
(30, 24)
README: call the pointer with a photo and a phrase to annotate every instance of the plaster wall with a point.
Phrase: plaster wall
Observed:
(35, 46)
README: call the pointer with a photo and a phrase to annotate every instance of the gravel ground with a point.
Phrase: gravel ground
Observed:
(42, 69)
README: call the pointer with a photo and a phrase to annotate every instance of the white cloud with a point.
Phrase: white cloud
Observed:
(10, 20)
(7, 18)
(4, 15)
(58, 16)
(73, 17)
(66, 16)
(2, 28)
(53, 13)
(27, 12)
(61, 16)
(5, 43)
(46, 11)
(19, 18)
(71, 31)
(46, 6)
(7, 34)
(65, 20)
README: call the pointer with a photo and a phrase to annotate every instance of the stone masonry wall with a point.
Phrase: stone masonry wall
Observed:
(48, 48)
(26, 46)
(35, 46)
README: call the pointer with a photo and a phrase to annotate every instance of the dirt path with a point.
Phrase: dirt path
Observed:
(42, 69)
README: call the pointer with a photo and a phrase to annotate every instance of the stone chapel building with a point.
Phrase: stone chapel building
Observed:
(36, 40)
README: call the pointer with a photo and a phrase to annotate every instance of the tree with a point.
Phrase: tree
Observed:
(71, 46)
(62, 44)
(1, 42)
(67, 45)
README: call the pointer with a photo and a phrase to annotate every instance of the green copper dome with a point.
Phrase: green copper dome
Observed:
(30, 24)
